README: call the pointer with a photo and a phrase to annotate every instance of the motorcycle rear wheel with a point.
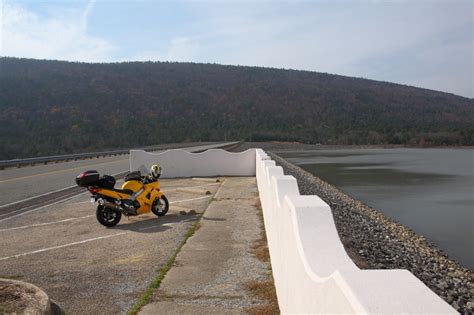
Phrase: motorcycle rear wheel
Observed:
(162, 208)
(107, 217)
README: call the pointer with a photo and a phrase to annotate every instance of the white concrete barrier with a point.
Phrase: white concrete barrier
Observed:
(180, 163)
(311, 269)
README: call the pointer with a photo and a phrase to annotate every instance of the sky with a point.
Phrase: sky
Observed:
(424, 43)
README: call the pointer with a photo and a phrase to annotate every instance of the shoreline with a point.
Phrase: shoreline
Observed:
(277, 146)
(374, 241)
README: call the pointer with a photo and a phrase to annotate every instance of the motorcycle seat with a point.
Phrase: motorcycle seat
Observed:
(124, 191)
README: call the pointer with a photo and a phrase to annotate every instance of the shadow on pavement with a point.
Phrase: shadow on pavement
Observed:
(153, 225)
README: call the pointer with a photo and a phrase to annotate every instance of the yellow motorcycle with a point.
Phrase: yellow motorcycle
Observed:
(138, 195)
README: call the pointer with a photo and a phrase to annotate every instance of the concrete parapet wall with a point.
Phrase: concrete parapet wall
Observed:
(180, 163)
(312, 272)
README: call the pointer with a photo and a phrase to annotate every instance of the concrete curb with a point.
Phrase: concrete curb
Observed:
(25, 298)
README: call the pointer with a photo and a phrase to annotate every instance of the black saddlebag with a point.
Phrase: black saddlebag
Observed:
(107, 182)
(133, 176)
(87, 178)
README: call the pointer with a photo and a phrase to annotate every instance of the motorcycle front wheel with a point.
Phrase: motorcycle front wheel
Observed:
(107, 217)
(160, 206)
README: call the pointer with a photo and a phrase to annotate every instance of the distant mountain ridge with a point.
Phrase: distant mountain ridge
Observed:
(56, 107)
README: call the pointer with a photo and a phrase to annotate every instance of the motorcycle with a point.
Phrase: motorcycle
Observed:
(138, 195)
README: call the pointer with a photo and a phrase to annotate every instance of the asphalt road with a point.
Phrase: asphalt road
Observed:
(90, 269)
(17, 184)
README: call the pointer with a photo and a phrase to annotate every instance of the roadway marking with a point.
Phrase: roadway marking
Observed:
(164, 190)
(11, 212)
(75, 243)
(37, 196)
(59, 201)
(46, 223)
(51, 204)
(43, 195)
(62, 246)
(59, 171)
(42, 207)
(178, 187)
(66, 220)
(70, 187)
(69, 198)
(193, 148)
(59, 198)
(184, 200)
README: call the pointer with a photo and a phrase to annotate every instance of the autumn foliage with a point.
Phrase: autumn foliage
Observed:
(54, 107)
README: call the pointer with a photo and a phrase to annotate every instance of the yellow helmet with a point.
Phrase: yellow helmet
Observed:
(155, 171)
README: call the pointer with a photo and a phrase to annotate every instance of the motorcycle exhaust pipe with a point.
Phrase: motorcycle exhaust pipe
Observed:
(108, 204)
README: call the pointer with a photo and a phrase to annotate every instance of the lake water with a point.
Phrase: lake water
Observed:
(431, 191)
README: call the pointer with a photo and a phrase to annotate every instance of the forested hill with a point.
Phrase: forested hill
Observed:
(55, 107)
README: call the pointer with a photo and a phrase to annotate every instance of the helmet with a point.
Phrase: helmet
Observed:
(155, 171)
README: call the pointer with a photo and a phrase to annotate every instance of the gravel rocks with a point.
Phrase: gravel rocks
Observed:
(376, 242)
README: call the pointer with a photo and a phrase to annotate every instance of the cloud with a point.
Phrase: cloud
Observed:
(86, 13)
(62, 36)
(426, 44)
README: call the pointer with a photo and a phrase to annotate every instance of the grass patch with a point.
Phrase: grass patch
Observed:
(156, 282)
(201, 296)
(264, 290)
(198, 226)
(260, 247)
(12, 277)
(260, 251)
(263, 310)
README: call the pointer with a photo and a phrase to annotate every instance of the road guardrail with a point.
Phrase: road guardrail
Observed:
(81, 156)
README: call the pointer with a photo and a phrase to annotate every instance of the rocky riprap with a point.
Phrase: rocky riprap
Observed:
(376, 242)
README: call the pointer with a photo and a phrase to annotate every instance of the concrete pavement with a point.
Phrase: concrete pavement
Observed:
(90, 269)
(212, 272)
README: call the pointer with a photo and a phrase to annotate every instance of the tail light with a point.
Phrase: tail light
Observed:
(93, 190)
